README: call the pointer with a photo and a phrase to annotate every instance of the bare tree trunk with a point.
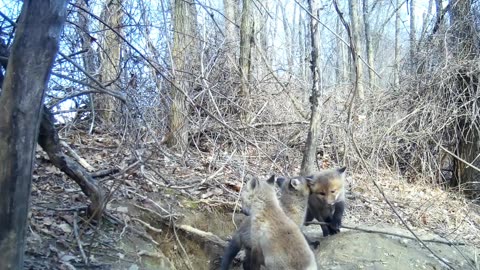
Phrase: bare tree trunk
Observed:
(396, 75)
(184, 61)
(230, 30)
(246, 43)
(355, 25)
(309, 154)
(30, 62)
(89, 54)
(339, 75)
(438, 13)
(293, 40)
(368, 42)
(110, 52)
(465, 47)
(413, 34)
(288, 38)
(301, 45)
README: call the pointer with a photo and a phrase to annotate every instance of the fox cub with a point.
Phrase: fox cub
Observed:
(326, 202)
(272, 227)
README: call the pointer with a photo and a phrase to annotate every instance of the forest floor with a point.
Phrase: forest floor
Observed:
(160, 213)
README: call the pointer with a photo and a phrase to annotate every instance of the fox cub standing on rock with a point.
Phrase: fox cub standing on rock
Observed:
(327, 200)
(273, 234)
(293, 201)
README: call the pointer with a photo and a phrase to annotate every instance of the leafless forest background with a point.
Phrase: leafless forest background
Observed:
(192, 95)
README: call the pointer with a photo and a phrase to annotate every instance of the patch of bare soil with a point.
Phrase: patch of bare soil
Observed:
(360, 250)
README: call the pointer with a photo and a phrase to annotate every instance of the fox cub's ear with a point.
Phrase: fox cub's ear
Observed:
(296, 183)
(342, 169)
(310, 180)
(271, 180)
(280, 181)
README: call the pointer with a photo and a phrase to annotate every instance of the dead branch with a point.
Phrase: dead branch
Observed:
(77, 238)
(80, 160)
(150, 227)
(204, 236)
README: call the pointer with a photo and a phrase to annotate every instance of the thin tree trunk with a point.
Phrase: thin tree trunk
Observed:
(355, 25)
(30, 62)
(184, 61)
(293, 41)
(302, 46)
(396, 75)
(413, 34)
(309, 154)
(230, 30)
(339, 59)
(368, 43)
(246, 43)
(89, 54)
(288, 35)
(110, 52)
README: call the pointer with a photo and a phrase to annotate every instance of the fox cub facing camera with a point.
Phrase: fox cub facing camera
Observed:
(326, 202)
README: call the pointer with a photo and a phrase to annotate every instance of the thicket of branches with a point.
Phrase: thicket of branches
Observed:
(412, 108)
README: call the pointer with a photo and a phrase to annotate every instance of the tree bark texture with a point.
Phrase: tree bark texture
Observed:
(309, 154)
(230, 27)
(30, 62)
(413, 34)
(465, 46)
(48, 139)
(110, 52)
(396, 71)
(355, 28)
(368, 43)
(341, 61)
(245, 61)
(183, 52)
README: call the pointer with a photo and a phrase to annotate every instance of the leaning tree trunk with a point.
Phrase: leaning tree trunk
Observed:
(30, 62)
(48, 139)
(184, 61)
(309, 154)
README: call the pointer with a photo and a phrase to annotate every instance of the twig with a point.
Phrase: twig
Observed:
(188, 263)
(77, 237)
(393, 234)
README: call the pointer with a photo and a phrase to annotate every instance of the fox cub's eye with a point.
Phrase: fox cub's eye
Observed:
(333, 191)
(322, 193)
